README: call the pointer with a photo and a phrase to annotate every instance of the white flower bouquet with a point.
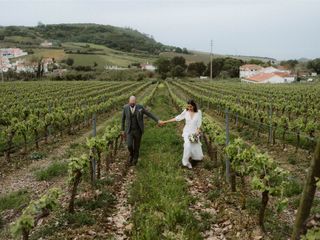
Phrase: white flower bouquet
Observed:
(194, 137)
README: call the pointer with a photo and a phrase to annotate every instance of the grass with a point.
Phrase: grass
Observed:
(106, 56)
(56, 169)
(104, 200)
(63, 222)
(14, 200)
(37, 155)
(159, 194)
(292, 159)
(294, 188)
(207, 220)
(79, 219)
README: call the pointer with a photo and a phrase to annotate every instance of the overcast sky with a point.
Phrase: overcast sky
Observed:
(275, 28)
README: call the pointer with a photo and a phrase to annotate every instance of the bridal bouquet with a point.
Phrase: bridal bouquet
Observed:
(194, 138)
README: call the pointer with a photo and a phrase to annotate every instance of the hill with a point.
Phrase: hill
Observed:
(89, 54)
(197, 56)
(124, 39)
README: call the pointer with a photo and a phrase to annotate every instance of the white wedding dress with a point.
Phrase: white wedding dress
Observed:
(191, 150)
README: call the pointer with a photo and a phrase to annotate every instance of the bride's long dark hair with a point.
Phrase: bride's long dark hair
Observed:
(193, 103)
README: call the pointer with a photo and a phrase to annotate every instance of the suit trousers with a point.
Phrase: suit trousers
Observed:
(133, 141)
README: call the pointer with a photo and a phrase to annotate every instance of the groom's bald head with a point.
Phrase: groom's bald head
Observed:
(132, 100)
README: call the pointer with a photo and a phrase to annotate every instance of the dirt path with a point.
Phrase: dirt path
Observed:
(217, 210)
(119, 222)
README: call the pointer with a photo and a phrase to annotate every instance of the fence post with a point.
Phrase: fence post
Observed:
(237, 114)
(49, 127)
(227, 143)
(270, 126)
(94, 125)
(93, 160)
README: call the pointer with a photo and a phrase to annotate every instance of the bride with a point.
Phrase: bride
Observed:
(191, 133)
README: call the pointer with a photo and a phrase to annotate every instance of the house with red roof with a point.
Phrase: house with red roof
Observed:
(249, 70)
(12, 52)
(252, 73)
(274, 77)
(148, 67)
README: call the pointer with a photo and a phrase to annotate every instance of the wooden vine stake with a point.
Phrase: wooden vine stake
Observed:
(307, 196)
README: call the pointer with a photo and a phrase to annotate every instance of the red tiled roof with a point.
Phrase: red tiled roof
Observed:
(251, 67)
(282, 67)
(261, 77)
(282, 74)
(264, 76)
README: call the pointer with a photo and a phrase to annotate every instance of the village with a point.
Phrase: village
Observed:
(13, 59)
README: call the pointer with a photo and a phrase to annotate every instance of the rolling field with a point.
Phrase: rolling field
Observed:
(197, 56)
(90, 54)
(64, 171)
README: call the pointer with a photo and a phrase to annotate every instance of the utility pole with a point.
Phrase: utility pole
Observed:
(211, 60)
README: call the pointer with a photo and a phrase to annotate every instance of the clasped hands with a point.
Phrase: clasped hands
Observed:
(161, 123)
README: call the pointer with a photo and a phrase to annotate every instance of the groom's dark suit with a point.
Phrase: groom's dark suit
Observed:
(133, 126)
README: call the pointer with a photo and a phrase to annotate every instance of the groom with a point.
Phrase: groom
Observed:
(133, 126)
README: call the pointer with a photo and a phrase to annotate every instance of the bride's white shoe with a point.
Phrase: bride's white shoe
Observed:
(189, 166)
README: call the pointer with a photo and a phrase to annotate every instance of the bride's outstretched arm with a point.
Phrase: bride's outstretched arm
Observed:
(170, 120)
(180, 117)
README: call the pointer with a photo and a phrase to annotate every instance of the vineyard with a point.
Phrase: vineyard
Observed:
(35, 112)
(64, 171)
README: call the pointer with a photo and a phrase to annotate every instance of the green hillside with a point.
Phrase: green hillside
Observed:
(88, 54)
(124, 39)
(197, 56)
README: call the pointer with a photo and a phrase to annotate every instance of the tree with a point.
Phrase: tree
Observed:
(179, 61)
(314, 65)
(185, 51)
(69, 61)
(231, 66)
(257, 62)
(196, 69)
(225, 66)
(177, 71)
(217, 65)
(163, 67)
(291, 64)
(178, 66)
(178, 50)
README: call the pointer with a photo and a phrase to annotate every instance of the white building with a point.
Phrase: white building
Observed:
(46, 44)
(275, 77)
(275, 70)
(12, 52)
(148, 67)
(113, 67)
(4, 64)
(249, 70)
(314, 74)
(46, 62)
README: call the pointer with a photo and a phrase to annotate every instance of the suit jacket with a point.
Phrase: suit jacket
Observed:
(140, 110)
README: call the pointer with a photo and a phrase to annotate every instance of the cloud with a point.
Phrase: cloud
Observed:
(275, 28)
